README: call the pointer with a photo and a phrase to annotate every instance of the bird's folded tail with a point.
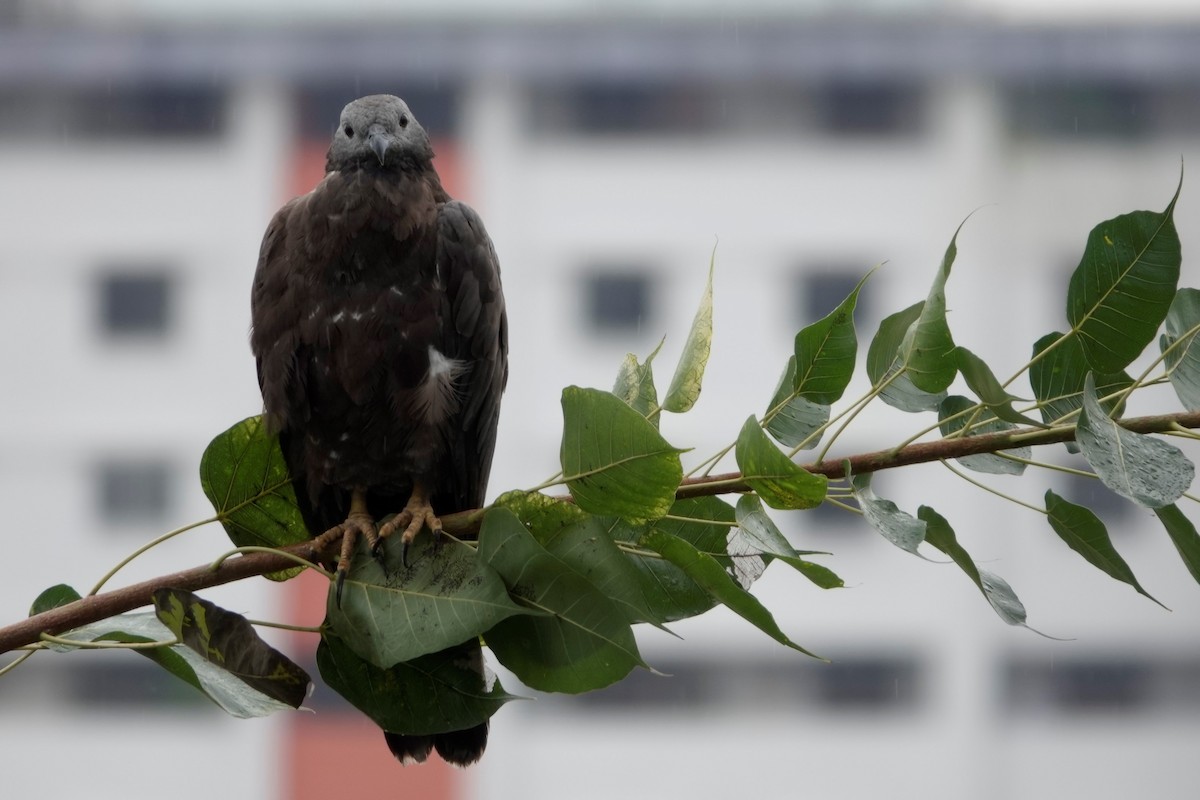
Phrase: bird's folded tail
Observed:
(460, 748)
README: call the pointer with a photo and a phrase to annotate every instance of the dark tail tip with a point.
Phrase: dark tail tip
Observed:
(462, 748)
(409, 749)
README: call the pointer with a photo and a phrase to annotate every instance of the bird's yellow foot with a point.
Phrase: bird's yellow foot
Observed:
(417, 514)
(358, 523)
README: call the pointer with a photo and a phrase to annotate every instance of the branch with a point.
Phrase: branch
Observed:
(465, 524)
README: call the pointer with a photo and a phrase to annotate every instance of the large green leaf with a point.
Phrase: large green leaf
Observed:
(584, 544)
(635, 385)
(1148, 471)
(898, 527)
(825, 353)
(441, 692)
(667, 591)
(929, 356)
(790, 418)
(954, 413)
(1124, 284)
(885, 345)
(1058, 377)
(390, 612)
(708, 573)
(1182, 354)
(243, 474)
(1183, 536)
(779, 481)
(580, 641)
(994, 588)
(1084, 533)
(227, 690)
(614, 461)
(689, 373)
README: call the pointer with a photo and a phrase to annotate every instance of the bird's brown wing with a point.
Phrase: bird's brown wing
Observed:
(475, 331)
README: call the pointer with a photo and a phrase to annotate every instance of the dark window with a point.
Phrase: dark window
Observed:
(617, 300)
(1104, 502)
(822, 289)
(1100, 684)
(624, 107)
(1080, 110)
(869, 108)
(173, 111)
(867, 683)
(320, 106)
(120, 681)
(135, 303)
(133, 490)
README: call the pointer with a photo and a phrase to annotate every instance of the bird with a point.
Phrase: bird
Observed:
(379, 330)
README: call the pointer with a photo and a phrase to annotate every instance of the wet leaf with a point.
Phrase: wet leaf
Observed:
(1182, 355)
(994, 588)
(391, 613)
(987, 388)
(1148, 471)
(760, 535)
(1057, 380)
(614, 461)
(898, 527)
(928, 354)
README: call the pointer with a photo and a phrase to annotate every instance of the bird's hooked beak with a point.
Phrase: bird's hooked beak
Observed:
(379, 140)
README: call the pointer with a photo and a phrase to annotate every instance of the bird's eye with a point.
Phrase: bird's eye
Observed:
(349, 131)
(404, 120)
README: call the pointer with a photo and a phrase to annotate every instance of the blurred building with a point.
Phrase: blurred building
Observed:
(143, 147)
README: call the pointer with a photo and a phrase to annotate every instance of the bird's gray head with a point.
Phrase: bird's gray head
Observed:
(378, 132)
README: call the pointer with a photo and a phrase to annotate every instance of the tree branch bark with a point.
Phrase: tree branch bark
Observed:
(465, 524)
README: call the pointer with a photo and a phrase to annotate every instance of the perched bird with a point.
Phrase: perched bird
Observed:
(379, 329)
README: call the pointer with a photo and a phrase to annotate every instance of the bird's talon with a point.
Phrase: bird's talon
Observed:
(339, 581)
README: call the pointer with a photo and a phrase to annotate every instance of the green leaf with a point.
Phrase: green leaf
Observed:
(635, 385)
(760, 536)
(244, 476)
(779, 481)
(668, 592)
(1124, 285)
(1057, 379)
(585, 545)
(441, 692)
(954, 413)
(1177, 344)
(581, 642)
(1183, 536)
(994, 588)
(614, 461)
(391, 613)
(228, 641)
(983, 383)
(790, 418)
(708, 573)
(885, 345)
(825, 353)
(58, 595)
(689, 373)
(227, 690)
(1085, 534)
(1148, 471)
(898, 527)
(929, 356)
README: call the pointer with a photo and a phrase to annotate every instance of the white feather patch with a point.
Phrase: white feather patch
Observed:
(437, 396)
